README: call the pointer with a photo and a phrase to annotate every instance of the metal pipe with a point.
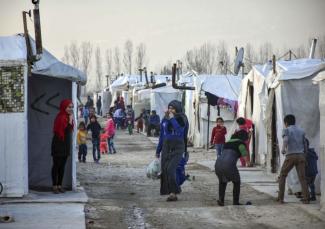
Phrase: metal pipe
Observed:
(146, 75)
(313, 48)
(273, 64)
(37, 27)
(28, 45)
(174, 84)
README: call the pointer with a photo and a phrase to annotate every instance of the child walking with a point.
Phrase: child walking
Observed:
(95, 128)
(110, 130)
(82, 142)
(311, 170)
(103, 142)
(218, 137)
(294, 146)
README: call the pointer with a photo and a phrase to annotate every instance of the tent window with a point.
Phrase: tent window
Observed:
(11, 89)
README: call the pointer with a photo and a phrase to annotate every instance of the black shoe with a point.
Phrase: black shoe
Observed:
(237, 203)
(313, 198)
(220, 203)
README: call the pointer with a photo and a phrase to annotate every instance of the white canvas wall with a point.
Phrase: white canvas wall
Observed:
(13, 150)
(322, 141)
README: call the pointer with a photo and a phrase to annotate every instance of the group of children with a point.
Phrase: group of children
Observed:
(295, 147)
(219, 132)
(102, 139)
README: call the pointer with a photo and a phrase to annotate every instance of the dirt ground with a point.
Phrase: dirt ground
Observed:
(121, 196)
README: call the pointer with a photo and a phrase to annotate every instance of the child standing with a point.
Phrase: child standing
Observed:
(311, 170)
(110, 130)
(246, 125)
(103, 142)
(82, 142)
(95, 128)
(218, 137)
(85, 113)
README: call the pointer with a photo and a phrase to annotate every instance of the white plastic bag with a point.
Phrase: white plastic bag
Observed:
(154, 169)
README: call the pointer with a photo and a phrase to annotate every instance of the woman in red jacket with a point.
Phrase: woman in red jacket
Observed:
(218, 137)
(61, 143)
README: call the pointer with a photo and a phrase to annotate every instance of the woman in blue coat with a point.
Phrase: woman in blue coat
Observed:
(172, 144)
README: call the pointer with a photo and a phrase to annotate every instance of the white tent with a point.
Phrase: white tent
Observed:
(252, 105)
(288, 91)
(320, 79)
(28, 107)
(196, 106)
(126, 84)
(292, 92)
(161, 97)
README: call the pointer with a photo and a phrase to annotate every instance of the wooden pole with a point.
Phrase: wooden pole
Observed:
(208, 126)
(274, 64)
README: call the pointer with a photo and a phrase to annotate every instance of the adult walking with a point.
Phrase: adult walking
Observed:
(174, 132)
(61, 143)
(99, 105)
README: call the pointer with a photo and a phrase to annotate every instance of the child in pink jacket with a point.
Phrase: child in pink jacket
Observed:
(110, 130)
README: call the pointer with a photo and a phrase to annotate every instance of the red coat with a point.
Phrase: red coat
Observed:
(218, 135)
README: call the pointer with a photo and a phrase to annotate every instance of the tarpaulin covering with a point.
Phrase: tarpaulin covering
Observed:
(14, 48)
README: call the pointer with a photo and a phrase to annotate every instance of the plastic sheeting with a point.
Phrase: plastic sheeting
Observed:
(123, 83)
(161, 97)
(14, 48)
(298, 69)
(223, 86)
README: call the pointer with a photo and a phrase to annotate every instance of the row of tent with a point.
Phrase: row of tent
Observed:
(265, 95)
(225, 87)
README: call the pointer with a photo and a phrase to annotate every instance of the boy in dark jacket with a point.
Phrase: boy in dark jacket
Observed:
(311, 170)
(95, 129)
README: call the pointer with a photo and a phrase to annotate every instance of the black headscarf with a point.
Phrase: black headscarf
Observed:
(179, 116)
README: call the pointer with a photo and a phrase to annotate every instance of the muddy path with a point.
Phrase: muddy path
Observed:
(121, 196)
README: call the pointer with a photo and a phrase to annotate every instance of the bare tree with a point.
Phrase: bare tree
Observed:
(250, 57)
(167, 68)
(207, 54)
(117, 60)
(66, 56)
(109, 63)
(223, 58)
(301, 52)
(140, 56)
(74, 54)
(99, 71)
(86, 53)
(321, 47)
(265, 53)
(127, 56)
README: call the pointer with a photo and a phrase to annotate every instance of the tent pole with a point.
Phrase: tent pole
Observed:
(208, 126)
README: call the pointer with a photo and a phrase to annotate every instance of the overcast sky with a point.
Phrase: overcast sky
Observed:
(169, 27)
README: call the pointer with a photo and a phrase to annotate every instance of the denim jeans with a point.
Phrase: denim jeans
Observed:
(219, 148)
(82, 152)
(95, 142)
(110, 142)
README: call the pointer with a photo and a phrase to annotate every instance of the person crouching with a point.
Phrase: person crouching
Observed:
(226, 165)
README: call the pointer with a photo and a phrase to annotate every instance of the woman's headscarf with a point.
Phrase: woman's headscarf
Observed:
(180, 115)
(177, 105)
(62, 119)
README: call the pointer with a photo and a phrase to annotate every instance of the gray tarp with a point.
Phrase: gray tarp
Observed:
(40, 128)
